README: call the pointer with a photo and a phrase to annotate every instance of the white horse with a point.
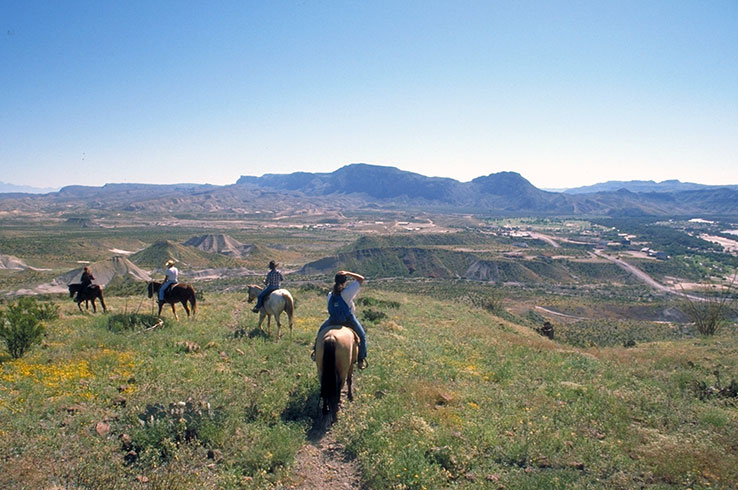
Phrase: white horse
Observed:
(277, 302)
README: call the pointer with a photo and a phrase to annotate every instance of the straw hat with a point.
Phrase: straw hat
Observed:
(169, 263)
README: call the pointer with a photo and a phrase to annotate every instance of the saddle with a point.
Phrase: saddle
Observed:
(323, 330)
(168, 290)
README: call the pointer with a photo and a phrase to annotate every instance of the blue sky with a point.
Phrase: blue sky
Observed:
(565, 93)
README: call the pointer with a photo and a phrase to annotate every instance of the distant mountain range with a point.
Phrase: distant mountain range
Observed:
(645, 186)
(26, 189)
(364, 186)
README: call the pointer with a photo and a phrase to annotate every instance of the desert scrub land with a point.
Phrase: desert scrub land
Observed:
(455, 397)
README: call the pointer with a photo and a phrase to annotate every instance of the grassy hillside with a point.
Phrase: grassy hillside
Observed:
(156, 254)
(454, 397)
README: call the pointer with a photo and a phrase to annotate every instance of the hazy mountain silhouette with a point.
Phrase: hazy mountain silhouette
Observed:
(25, 189)
(361, 185)
(645, 186)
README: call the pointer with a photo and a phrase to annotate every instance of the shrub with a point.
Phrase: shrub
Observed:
(379, 303)
(129, 321)
(163, 429)
(373, 316)
(705, 390)
(711, 313)
(21, 324)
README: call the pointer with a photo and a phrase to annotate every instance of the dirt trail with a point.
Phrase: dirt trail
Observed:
(546, 239)
(564, 315)
(323, 463)
(645, 277)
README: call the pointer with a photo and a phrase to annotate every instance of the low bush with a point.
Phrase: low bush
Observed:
(373, 316)
(379, 303)
(162, 429)
(21, 324)
(130, 321)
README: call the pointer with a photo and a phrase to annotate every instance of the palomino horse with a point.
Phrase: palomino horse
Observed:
(335, 353)
(92, 292)
(179, 293)
(277, 302)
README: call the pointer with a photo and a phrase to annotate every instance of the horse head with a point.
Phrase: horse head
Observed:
(72, 289)
(253, 292)
(151, 288)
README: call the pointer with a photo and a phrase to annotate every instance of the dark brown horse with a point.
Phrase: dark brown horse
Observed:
(178, 293)
(92, 292)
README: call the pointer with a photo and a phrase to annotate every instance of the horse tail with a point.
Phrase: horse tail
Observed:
(102, 301)
(329, 384)
(289, 307)
(193, 300)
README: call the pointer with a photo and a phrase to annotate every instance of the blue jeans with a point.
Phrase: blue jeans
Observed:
(353, 324)
(263, 294)
(163, 289)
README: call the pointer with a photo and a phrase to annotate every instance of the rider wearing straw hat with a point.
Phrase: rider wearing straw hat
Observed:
(170, 277)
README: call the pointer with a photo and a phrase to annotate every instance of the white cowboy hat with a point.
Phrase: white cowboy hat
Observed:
(169, 262)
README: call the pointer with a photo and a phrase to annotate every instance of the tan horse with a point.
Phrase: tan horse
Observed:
(277, 302)
(335, 353)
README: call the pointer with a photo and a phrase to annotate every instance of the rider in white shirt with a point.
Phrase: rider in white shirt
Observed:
(170, 277)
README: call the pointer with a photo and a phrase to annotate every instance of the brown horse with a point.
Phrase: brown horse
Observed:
(335, 353)
(278, 301)
(92, 292)
(179, 293)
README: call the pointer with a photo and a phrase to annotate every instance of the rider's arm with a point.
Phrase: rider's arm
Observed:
(359, 278)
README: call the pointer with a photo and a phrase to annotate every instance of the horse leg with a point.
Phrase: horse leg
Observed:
(94, 308)
(261, 319)
(350, 393)
(184, 303)
(102, 302)
(174, 311)
(161, 304)
(279, 326)
(79, 305)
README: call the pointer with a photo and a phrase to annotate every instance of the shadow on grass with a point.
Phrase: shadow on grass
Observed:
(258, 333)
(304, 406)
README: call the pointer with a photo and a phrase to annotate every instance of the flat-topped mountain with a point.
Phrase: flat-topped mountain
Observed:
(359, 186)
(507, 191)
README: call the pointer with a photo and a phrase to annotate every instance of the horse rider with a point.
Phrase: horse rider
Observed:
(170, 277)
(342, 311)
(272, 282)
(85, 282)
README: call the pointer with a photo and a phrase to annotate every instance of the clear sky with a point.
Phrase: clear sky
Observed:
(566, 93)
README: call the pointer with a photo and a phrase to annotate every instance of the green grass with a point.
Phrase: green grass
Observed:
(455, 397)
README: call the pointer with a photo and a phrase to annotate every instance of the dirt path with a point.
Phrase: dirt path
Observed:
(645, 277)
(546, 239)
(564, 315)
(322, 463)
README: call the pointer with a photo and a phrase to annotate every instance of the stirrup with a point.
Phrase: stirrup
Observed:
(312, 355)
(362, 364)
